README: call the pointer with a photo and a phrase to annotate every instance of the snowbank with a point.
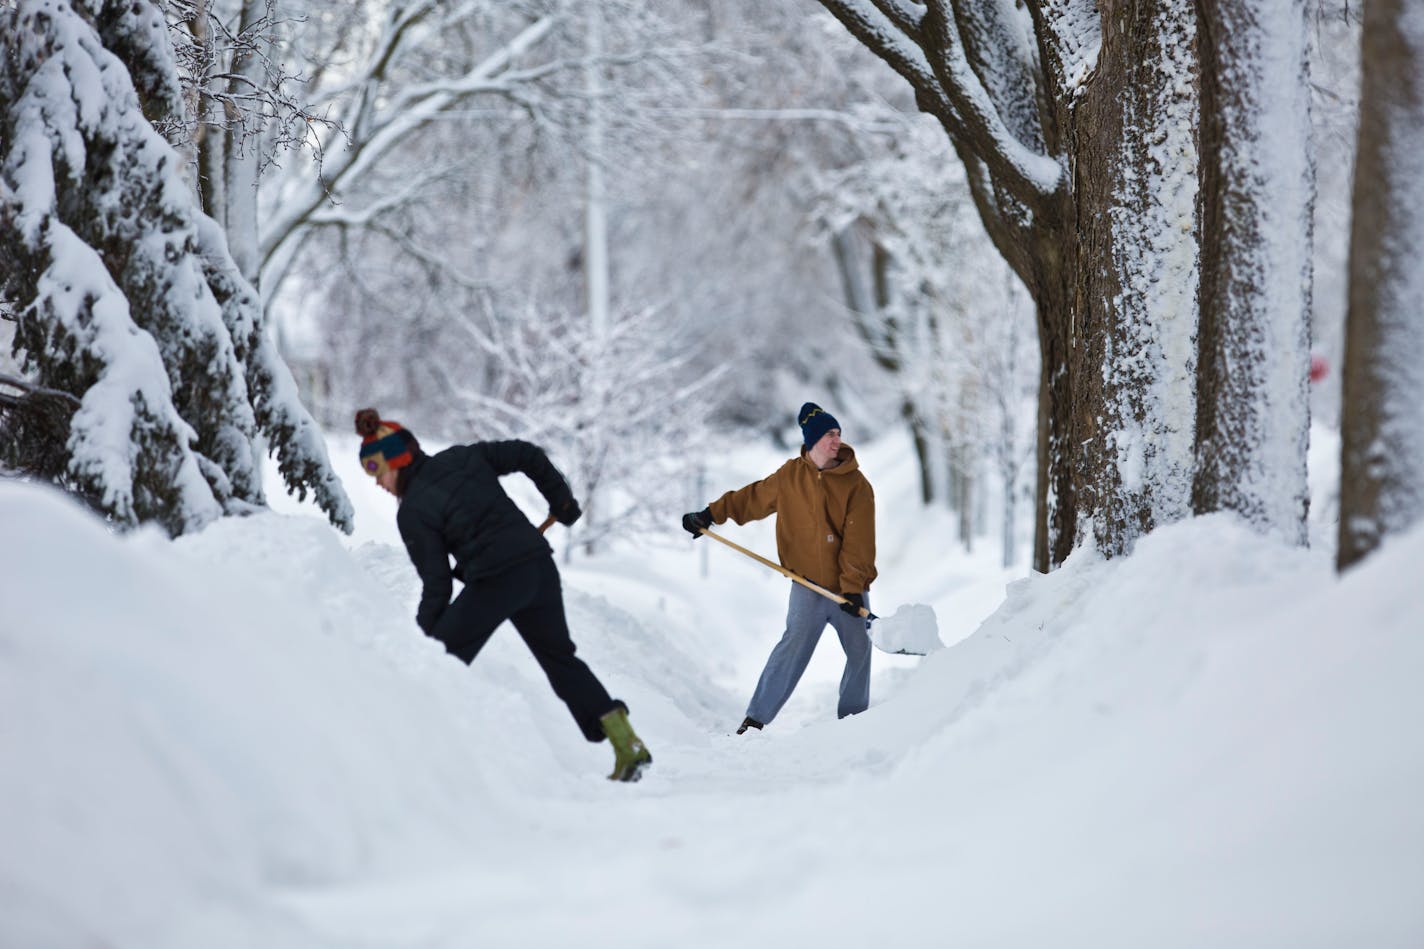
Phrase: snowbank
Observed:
(185, 725)
(240, 739)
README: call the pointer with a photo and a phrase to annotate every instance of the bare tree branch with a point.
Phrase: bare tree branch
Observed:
(370, 139)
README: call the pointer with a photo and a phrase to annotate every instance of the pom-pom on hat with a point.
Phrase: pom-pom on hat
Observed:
(815, 422)
(385, 445)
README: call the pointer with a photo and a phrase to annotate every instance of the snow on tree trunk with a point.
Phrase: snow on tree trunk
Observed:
(208, 138)
(1130, 331)
(126, 294)
(1382, 420)
(1253, 417)
(234, 101)
(241, 144)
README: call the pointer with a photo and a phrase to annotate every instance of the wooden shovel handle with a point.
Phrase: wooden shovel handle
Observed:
(787, 573)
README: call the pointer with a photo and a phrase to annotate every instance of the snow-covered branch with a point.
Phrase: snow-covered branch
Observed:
(906, 17)
(936, 67)
(371, 136)
(882, 38)
(1027, 174)
(29, 388)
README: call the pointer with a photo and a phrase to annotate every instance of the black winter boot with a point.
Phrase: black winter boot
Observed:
(749, 722)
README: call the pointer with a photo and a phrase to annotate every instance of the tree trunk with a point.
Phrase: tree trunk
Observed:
(1127, 342)
(1113, 273)
(1055, 490)
(916, 426)
(1010, 511)
(596, 263)
(242, 142)
(208, 138)
(1253, 421)
(1110, 250)
(1382, 422)
(964, 493)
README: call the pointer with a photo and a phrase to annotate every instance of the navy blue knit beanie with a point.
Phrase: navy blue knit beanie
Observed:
(815, 422)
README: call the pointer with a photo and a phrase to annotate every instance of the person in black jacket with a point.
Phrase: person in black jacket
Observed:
(452, 505)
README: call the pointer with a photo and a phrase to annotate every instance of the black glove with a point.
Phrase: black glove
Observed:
(855, 602)
(568, 513)
(697, 522)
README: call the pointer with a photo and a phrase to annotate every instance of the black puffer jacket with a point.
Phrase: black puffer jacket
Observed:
(453, 505)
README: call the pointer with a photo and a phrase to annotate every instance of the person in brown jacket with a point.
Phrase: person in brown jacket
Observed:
(825, 532)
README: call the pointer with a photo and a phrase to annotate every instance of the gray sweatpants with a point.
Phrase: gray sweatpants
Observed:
(806, 617)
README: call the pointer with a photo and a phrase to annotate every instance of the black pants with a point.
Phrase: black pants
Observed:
(530, 596)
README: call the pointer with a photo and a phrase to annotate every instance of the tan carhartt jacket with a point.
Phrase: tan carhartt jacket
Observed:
(825, 520)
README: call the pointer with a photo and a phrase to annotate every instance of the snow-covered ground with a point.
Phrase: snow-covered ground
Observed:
(241, 739)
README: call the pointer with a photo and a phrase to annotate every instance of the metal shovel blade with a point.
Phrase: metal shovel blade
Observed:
(909, 631)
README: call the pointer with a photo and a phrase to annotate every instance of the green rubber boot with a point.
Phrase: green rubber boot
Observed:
(630, 755)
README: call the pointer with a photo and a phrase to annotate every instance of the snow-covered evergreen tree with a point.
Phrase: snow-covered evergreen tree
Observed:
(124, 293)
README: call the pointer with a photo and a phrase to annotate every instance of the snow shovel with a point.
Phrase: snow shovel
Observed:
(911, 631)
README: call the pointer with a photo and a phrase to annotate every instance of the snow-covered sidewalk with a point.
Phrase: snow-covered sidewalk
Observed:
(241, 739)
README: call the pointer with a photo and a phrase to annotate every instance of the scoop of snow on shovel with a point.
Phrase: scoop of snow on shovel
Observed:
(910, 631)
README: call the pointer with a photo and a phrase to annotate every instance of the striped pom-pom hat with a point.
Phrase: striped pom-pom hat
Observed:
(385, 445)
